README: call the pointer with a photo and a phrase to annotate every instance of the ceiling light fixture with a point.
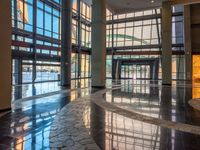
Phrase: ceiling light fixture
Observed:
(152, 1)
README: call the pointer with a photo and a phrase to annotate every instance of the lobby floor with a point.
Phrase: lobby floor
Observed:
(127, 115)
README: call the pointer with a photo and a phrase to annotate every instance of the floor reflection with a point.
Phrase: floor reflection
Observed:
(29, 90)
(153, 99)
(28, 125)
(115, 132)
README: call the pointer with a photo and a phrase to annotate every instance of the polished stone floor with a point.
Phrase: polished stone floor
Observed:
(32, 90)
(28, 125)
(154, 100)
(128, 115)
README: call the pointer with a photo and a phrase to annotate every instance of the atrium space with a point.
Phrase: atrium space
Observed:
(99, 74)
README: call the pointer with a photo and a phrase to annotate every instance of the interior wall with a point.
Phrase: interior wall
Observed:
(5, 54)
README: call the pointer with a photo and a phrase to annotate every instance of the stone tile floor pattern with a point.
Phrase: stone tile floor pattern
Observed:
(111, 127)
(68, 130)
(73, 120)
(28, 126)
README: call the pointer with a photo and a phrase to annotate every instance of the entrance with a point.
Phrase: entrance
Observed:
(135, 72)
(135, 69)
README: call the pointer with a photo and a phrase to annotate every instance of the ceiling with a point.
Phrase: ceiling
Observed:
(125, 6)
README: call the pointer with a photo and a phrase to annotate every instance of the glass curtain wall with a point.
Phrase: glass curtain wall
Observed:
(81, 38)
(36, 40)
(37, 34)
(137, 35)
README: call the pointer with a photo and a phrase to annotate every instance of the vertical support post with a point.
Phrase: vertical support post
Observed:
(156, 70)
(5, 54)
(151, 66)
(99, 43)
(15, 14)
(180, 69)
(187, 41)
(66, 43)
(34, 72)
(113, 51)
(18, 71)
(79, 37)
(166, 43)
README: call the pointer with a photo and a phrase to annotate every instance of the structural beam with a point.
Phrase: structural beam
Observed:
(98, 43)
(5, 55)
(66, 43)
(166, 43)
(183, 2)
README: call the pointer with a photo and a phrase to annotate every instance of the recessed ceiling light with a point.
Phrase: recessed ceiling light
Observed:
(152, 1)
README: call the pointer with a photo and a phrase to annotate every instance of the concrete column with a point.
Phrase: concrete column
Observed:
(99, 43)
(166, 43)
(188, 45)
(5, 54)
(66, 43)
